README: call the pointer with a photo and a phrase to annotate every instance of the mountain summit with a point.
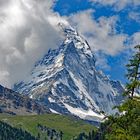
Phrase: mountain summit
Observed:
(67, 81)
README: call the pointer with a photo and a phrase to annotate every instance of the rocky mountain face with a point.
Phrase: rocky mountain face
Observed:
(14, 103)
(67, 81)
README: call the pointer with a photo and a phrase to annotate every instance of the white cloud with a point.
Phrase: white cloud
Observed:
(103, 37)
(101, 34)
(104, 2)
(117, 4)
(135, 39)
(135, 16)
(102, 62)
(26, 34)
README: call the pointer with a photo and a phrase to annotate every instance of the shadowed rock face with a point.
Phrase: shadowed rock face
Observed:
(14, 103)
(66, 80)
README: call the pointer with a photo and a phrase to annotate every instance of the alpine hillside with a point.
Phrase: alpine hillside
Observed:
(67, 81)
(15, 104)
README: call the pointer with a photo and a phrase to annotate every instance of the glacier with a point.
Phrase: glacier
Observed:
(67, 81)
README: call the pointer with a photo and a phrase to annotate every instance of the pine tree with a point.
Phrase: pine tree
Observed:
(61, 135)
(90, 137)
(38, 136)
(133, 73)
(92, 134)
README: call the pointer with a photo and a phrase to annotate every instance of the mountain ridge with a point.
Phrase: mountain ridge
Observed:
(16, 104)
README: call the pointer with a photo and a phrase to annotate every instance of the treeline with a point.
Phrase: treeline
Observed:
(84, 136)
(8, 132)
(50, 133)
(125, 126)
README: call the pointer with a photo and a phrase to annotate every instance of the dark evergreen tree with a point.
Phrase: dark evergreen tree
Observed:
(38, 136)
(8, 132)
(92, 134)
(133, 74)
(61, 135)
(89, 137)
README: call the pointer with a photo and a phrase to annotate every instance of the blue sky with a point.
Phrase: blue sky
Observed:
(128, 24)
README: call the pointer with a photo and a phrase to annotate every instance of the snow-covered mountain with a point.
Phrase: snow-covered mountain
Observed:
(66, 80)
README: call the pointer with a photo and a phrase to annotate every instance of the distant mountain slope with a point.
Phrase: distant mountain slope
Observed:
(14, 103)
(67, 81)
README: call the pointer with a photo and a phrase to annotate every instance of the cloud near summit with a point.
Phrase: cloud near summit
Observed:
(101, 34)
(26, 34)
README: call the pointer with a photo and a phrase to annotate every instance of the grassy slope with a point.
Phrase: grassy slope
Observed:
(69, 126)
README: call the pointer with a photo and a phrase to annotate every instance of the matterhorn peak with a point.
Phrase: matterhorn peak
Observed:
(67, 81)
(66, 27)
(72, 36)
